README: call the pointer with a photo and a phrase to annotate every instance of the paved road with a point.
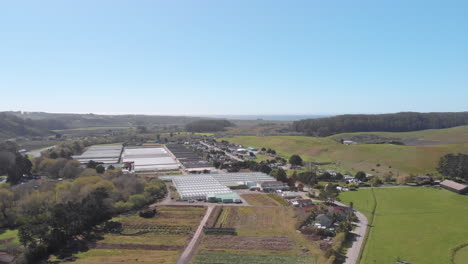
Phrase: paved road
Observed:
(37, 153)
(360, 234)
(190, 249)
(218, 149)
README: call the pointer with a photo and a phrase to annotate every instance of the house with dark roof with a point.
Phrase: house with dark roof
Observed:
(323, 220)
(454, 186)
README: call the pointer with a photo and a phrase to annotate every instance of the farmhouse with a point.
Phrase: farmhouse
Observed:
(269, 186)
(454, 186)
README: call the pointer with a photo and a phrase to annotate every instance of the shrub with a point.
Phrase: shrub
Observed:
(149, 213)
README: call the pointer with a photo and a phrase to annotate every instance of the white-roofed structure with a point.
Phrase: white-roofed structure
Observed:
(202, 185)
(149, 159)
(234, 178)
(198, 187)
(104, 154)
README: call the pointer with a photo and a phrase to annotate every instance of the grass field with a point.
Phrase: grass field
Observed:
(264, 235)
(160, 239)
(378, 159)
(461, 256)
(258, 199)
(419, 225)
(9, 238)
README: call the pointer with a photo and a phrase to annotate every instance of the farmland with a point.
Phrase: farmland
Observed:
(160, 239)
(378, 159)
(264, 235)
(419, 225)
(258, 199)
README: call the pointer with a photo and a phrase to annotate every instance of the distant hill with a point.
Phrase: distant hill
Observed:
(208, 125)
(13, 126)
(399, 122)
(71, 121)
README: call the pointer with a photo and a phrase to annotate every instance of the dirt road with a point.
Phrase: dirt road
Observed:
(190, 249)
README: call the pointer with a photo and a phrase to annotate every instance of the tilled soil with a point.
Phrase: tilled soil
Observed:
(136, 246)
(245, 242)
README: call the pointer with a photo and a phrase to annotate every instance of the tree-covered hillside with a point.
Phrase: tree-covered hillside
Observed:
(210, 125)
(12, 126)
(399, 122)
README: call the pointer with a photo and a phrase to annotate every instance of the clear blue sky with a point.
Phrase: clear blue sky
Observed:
(234, 57)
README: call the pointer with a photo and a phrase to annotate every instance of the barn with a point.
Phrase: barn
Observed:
(454, 186)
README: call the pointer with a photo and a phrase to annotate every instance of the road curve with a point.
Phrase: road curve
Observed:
(189, 250)
(360, 234)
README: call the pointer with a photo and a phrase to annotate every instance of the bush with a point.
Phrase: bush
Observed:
(121, 207)
(113, 227)
(149, 213)
(138, 200)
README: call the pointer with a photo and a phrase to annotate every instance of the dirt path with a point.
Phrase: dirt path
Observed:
(190, 249)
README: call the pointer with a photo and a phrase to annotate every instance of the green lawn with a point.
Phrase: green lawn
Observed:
(7, 235)
(419, 225)
(378, 159)
(461, 256)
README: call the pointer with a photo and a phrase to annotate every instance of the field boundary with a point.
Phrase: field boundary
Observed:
(454, 251)
(369, 224)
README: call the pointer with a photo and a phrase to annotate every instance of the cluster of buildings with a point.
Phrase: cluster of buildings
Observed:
(146, 159)
(218, 187)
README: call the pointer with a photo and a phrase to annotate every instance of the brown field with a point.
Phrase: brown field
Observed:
(263, 234)
(160, 239)
(247, 242)
(99, 256)
(258, 199)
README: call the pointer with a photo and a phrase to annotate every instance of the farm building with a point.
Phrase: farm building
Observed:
(149, 158)
(205, 186)
(269, 186)
(198, 187)
(454, 186)
(222, 198)
(104, 154)
(290, 195)
(247, 178)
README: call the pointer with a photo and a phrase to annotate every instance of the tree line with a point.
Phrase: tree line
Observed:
(454, 166)
(208, 125)
(399, 122)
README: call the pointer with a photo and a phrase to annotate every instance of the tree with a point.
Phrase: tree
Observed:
(376, 181)
(265, 169)
(92, 164)
(295, 160)
(100, 169)
(14, 175)
(281, 175)
(454, 166)
(361, 176)
(329, 193)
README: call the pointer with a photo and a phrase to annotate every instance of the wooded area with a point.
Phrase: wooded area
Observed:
(209, 125)
(399, 122)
